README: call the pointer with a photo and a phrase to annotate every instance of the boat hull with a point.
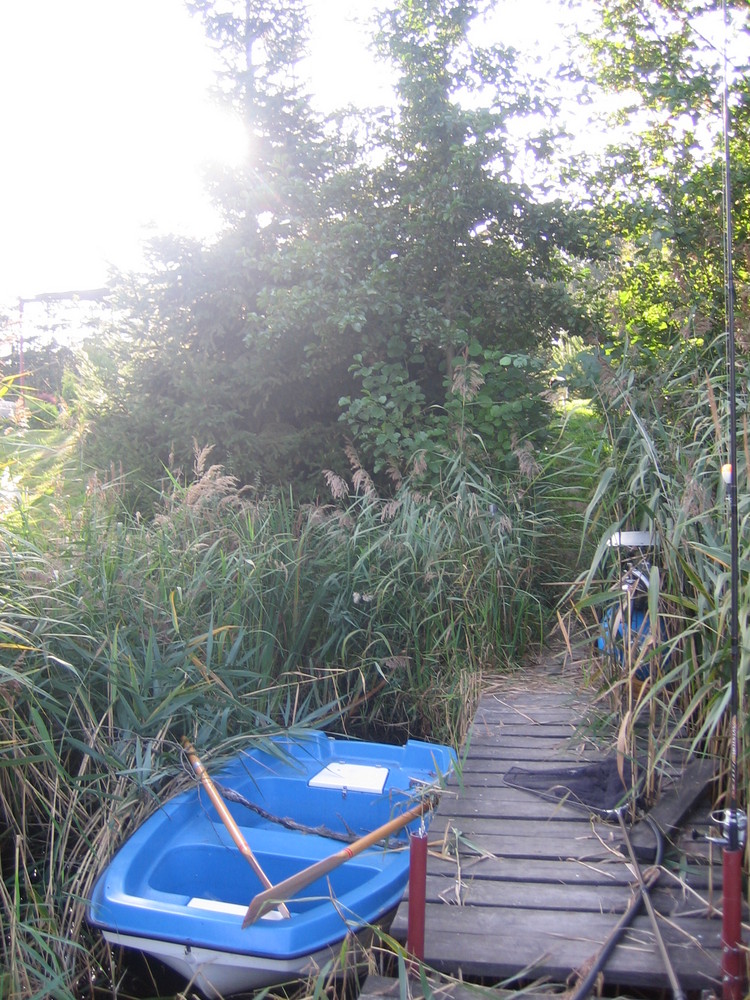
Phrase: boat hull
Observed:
(220, 974)
(178, 888)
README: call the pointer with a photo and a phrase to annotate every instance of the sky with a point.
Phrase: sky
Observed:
(106, 123)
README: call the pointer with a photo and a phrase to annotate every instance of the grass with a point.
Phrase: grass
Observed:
(227, 617)
(39, 468)
(660, 471)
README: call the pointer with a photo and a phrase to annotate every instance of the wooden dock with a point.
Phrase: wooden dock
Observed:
(525, 891)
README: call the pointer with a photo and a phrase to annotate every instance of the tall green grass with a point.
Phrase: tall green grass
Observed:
(227, 617)
(665, 441)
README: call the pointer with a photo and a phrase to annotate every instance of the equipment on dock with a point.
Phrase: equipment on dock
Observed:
(628, 635)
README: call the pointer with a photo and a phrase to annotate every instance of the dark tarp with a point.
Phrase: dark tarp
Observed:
(596, 787)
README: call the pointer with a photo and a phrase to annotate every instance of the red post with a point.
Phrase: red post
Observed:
(417, 894)
(733, 956)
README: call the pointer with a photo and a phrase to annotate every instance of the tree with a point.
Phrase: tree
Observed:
(374, 268)
(458, 273)
(658, 191)
(198, 358)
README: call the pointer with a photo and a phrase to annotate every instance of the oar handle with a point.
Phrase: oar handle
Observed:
(226, 817)
(284, 890)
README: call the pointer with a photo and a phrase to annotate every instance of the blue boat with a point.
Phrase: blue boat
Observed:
(179, 888)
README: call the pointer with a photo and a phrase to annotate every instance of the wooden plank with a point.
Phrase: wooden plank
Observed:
(488, 745)
(532, 717)
(562, 724)
(523, 895)
(581, 848)
(520, 739)
(485, 942)
(570, 873)
(553, 828)
(674, 804)
(518, 727)
(507, 797)
(479, 770)
(522, 736)
(525, 700)
(493, 799)
(533, 870)
(519, 895)
(551, 752)
(383, 988)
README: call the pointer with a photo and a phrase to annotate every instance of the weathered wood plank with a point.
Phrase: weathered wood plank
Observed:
(512, 895)
(467, 891)
(532, 718)
(583, 847)
(493, 799)
(488, 942)
(530, 702)
(518, 736)
(512, 826)
(493, 770)
(383, 988)
(533, 870)
(549, 751)
(558, 726)
(676, 801)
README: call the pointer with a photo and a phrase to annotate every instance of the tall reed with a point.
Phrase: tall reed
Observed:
(666, 440)
(225, 618)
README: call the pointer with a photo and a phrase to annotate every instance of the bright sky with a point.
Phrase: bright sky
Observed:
(106, 121)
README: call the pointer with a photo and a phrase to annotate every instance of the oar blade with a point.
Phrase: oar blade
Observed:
(275, 895)
(289, 887)
(262, 903)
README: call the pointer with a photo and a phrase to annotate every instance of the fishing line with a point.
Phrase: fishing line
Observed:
(734, 968)
(730, 474)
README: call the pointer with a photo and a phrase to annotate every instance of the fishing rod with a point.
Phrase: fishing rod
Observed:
(731, 819)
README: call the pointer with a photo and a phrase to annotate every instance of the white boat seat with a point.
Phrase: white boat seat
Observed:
(236, 909)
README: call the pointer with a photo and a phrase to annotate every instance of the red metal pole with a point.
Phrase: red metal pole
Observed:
(733, 955)
(417, 894)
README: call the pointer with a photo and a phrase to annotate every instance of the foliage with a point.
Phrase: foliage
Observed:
(191, 351)
(45, 367)
(36, 450)
(490, 398)
(657, 189)
(361, 261)
(655, 369)
(468, 264)
(383, 277)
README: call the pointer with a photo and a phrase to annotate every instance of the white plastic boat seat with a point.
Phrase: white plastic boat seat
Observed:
(236, 909)
(352, 777)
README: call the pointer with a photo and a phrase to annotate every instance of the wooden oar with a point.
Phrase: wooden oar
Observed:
(227, 818)
(290, 886)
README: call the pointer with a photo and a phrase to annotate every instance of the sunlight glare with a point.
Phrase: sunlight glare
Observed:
(223, 138)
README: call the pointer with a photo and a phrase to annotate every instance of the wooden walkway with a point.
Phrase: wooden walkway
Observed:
(524, 890)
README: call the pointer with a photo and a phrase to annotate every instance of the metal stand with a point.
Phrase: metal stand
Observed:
(417, 892)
